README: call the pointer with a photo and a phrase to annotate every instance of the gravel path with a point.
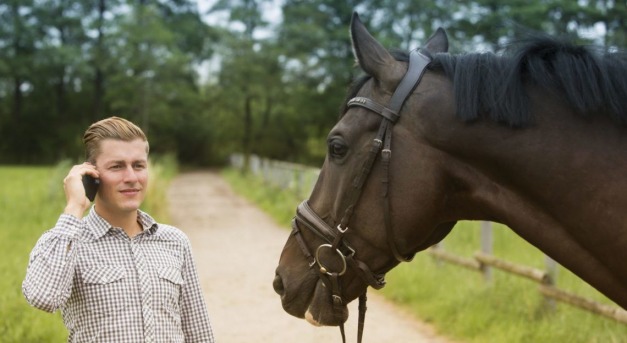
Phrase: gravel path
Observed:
(237, 248)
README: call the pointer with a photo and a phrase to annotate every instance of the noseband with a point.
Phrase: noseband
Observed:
(334, 238)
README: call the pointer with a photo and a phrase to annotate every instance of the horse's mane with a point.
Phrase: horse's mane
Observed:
(493, 86)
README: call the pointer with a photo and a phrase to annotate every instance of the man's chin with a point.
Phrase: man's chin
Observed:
(119, 209)
(130, 205)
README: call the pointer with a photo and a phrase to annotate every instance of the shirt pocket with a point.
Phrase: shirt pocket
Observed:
(169, 284)
(104, 289)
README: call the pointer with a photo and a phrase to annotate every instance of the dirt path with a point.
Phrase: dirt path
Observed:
(237, 248)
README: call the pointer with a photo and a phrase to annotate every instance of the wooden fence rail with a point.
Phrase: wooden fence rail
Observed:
(520, 270)
(301, 179)
(480, 260)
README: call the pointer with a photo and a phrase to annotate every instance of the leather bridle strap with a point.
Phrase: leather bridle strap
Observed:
(362, 315)
(418, 63)
(307, 217)
(416, 68)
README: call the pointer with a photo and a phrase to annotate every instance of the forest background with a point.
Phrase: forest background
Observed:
(205, 81)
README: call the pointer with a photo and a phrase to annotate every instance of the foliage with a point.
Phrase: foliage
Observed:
(274, 88)
(458, 302)
(65, 64)
(31, 200)
(280, 205)
(162, 170)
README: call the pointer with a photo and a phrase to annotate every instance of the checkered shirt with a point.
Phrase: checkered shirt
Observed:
(111, 288)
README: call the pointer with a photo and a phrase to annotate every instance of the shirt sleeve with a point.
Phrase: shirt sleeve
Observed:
(48, 281)
(194, 315)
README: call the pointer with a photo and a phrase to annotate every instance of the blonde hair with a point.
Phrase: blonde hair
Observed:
(110, 128)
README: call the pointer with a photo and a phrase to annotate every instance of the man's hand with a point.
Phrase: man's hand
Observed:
(76, 200)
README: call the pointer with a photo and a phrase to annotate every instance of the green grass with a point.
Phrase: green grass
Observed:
(31, 200)
(457, 301)
(162, 170)
(280, 205)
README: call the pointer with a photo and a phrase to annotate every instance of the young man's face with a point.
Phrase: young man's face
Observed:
(123, 169)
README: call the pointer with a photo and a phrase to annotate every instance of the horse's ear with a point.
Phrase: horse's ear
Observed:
(371, 56)
(438, 42)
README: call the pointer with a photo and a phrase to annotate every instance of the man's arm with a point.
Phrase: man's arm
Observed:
(50, 272)
(48, 281)
(194, 316)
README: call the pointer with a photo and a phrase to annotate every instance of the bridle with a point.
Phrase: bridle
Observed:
(334, 238)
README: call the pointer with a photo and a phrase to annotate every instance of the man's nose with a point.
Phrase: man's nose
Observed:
(130, 175)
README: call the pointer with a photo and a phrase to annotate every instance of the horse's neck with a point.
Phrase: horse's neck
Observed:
(565, 167)
(559, 184)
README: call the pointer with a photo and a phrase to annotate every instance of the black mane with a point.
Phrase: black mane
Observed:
(493, 86)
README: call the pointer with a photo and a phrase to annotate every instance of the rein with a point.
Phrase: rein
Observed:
(336, 243)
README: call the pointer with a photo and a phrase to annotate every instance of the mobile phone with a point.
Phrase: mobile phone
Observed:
(91, 186)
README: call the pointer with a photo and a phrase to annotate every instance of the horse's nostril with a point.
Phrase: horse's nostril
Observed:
(278, 285)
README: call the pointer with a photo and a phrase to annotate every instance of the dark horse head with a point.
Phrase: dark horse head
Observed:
(534, 139)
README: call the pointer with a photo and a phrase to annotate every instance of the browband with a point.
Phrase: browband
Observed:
(417, 65)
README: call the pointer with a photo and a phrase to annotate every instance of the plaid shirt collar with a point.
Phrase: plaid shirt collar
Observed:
(99, 226)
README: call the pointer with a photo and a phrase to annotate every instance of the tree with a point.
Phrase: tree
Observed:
(249, 81)
(67, 63)
(407, 24)
(18, 33)
(154, 82)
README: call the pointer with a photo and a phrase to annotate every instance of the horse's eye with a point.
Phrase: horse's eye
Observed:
(337, 148)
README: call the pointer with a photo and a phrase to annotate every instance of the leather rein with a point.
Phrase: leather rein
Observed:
(336, 243)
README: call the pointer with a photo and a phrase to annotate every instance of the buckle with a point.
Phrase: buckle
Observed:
(339, 228)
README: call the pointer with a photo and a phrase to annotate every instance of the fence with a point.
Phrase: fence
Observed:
(284, 175)
(483, 262)
(301, 179)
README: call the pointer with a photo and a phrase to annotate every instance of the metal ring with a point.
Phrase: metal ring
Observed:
(322, 267)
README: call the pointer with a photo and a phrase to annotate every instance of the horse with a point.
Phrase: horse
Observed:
(535, 138)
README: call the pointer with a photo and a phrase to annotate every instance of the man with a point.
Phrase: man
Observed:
(116, 274)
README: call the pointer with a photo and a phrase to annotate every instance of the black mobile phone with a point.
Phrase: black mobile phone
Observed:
(91, 186)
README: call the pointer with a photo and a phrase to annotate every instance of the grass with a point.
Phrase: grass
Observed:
(280, 205)
(457, 301)
(29, 203)
(31, 200)
(162, 170)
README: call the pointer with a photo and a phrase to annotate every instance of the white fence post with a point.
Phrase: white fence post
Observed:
(551, 270)
(487, 242)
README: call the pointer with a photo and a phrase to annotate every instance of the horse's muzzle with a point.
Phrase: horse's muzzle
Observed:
(277, 284)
